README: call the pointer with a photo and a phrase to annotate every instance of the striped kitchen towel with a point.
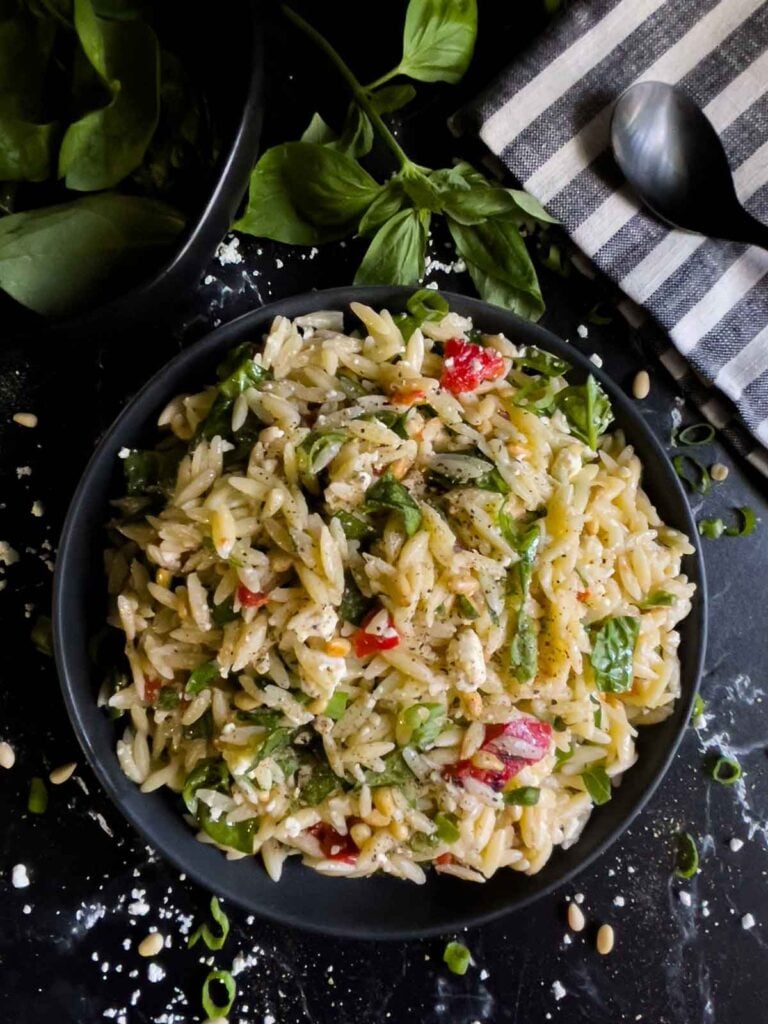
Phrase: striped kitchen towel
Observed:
(548, 118)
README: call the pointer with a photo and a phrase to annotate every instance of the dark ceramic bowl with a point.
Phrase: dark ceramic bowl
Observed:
(367, 908)
(225, 57)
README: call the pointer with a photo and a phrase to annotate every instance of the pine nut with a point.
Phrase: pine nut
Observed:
(383, 801)
(399, 830)
(641, 386)
(576, 919)
(605, 939)
(487, 762)
(719, 472)
(464, 585)
(25, 419)
(338, 647)
(399, 468)
(360, 834)
(151, 945)
(7, 755)
(472, 704)
(376, 819)
(244, 701)
(59, 775)
(163, 578)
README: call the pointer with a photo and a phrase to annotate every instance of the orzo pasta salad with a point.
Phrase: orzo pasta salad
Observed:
(392, 599)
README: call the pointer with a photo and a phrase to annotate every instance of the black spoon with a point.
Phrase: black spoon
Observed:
(673, 158)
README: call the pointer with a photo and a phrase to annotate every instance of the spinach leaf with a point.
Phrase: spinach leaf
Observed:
(396, 421)
(305, 194)
(355, 527)
(539, 361)
(439, 39)
(277, 740)
(456, 469)
(210, 773)
(240, 372)
(396, 772)
(105, 145)
(316, 452)
(201, 677)
(613, 648)
(597, 783)
(499, 264)
(238, 836)
(151, 472)
(388, 494)
(354, 604)
(320, 783)
(61, 259)
(587, 409)
(397, 251)
(537, 395)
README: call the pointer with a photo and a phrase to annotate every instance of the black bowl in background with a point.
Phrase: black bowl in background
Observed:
(224, 55)
(380, 907)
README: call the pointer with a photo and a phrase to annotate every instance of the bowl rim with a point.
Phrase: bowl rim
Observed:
(184, 363)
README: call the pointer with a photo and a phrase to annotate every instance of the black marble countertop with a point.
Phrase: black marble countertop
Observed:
(684, 952)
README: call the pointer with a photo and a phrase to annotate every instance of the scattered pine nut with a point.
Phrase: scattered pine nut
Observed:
(59, 775)
(338, 647)
(151, 945)
(25, 419)
(280, 562)
(719, 472)
(576, 919)
(641, 386)
(163, 578)
(244, 701)
(605, 939)
(7, 755)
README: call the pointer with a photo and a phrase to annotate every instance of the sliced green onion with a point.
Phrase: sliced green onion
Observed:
(725, 770)
(687, 856)
(447, 830)
(694, 435)
(699, 704)
(700, 482)
(523, 796)
(715, 528)
(204, 932)
(457, 957)
(213, 1009)
(38, 797)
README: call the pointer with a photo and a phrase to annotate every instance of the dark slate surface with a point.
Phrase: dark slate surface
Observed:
(68, 941)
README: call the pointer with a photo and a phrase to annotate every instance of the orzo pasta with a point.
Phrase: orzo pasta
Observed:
(391, 598)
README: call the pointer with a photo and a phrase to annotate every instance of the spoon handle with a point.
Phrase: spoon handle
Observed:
(751, 232)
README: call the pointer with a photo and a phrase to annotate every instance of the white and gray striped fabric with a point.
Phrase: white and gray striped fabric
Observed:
(547, 118)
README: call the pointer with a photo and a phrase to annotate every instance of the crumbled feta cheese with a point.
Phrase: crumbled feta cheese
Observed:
(619, 901)
(596, 359)
(155, 972)
(124, 453)
(228, 252)
(582, 330)
(736, 844)
(747, 922)
(19, 876)
(685, 898)
(558, 991)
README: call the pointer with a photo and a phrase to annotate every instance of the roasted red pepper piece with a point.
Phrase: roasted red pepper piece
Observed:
(250, 598)
(466, 366)
(334, 845)
(516, 744)
(151, 689)
(369, 643)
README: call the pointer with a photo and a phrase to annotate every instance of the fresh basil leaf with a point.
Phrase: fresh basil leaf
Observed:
(523, 648)
(499, 264)
(388, 494)
(455, 469)
(438, 39)
(305, 194)
(201, 677)
(390, 98)
(539, 361)
(537, 395)
(447, 828)
(531, 207)
(396, 772)
(238, 836)
(320, 783)
(240, 372)
(613, 648)
(354, 604)
(151, 472)
(426, 722)
(265, 717)
(277, 740)
(597, 783)
(397, 251)
(390, 200)
(356, 137)
(318, 132)
(105, 145)
(659, 599)
(396, 421)
(26, 149)
(355, 527)
(587, 409)
(168, 698)
(210, 773)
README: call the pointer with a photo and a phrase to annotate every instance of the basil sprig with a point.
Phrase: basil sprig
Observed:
(613, 648)
(524, 539)
(315, 190)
